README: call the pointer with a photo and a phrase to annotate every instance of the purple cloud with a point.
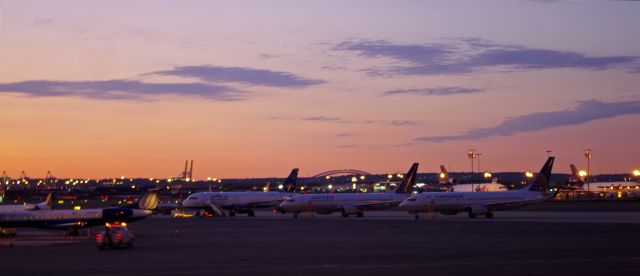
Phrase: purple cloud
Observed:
(435, 91)
(321, 118)
(471, 55)
(248, 76)
(403, 123)
(118, 89)
(584, 112)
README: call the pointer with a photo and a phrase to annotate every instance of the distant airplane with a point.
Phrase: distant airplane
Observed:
(45, 205)
(72, 220)
(350, 203)
(473, 203)
(576, 180)
(241, 202)
(452, 186)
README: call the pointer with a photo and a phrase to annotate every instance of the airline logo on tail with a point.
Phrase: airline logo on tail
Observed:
(409, 180)
(541, 183)
(150, 200)
(290, 183)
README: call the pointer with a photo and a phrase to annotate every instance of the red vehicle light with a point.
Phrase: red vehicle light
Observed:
(98, 237)
(119, 236)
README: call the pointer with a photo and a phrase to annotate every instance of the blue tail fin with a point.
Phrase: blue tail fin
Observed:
(409, 180)
(541, 183)
(290, 184)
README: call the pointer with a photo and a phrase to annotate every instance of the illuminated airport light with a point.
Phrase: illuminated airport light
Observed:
(60, 201)
(362, 177)
(389, 176)
(354, 186)
(208, 178)
(636, 173)
(582, 173)
(487, 174)
(330, 186)
(279, 186)
(528, 174)
(354, 179)
(77, 208)
(327, 177)
(442, 175)
(122, 178)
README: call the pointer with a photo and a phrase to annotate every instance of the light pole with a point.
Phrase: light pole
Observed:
(588, 154)
(472, 155)
(478, 156)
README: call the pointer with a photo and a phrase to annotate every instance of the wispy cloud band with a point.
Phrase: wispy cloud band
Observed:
(242, 75)
(435, 91)
(463, 56)
(118, 89)
(584, 112)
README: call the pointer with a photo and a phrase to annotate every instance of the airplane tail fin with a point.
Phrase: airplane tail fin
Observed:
(47, 204)
(574, 170)
(409, 180)
(291, 183)
(149, 200)
(541, 183)
(575, 177)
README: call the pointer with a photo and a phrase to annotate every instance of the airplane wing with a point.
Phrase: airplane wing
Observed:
(376, 205)
(261, 204)
(512, 204)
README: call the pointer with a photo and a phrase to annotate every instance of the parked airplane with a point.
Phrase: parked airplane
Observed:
(45, 205)
(452, 186)
(451, 203)
(578, 182)
(73, 220)
(350, 203)
(241, 202)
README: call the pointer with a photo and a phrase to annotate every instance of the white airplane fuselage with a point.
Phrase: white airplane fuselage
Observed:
(62, 219)
(478, 187)
(456, 202)
(231, 200)
(329, 203)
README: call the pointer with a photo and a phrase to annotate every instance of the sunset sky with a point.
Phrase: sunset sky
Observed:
(255, 88)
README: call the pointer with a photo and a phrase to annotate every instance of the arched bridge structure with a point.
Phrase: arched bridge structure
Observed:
(341, 171)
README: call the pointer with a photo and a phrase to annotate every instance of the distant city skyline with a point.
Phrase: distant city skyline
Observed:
(254, 88)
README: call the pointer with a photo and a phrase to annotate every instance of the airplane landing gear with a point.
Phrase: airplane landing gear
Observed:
(251, 213)
(489, 215)
(471, 214)
(359, 214)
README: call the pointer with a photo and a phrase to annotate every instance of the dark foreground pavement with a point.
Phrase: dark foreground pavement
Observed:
(277, 246)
